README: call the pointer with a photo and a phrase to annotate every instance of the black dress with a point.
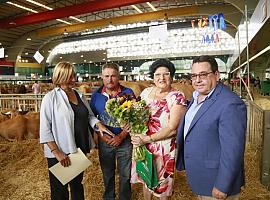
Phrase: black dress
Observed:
(81, 122)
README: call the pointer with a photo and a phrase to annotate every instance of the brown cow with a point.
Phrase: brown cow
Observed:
(84, 88)
(3, 117)
(13, 129)
(20, 127)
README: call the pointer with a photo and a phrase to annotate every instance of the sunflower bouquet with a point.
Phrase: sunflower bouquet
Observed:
(129, 110)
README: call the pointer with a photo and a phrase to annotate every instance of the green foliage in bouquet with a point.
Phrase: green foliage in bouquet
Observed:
(132, 111)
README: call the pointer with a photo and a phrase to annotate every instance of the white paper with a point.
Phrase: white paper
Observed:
(38, 57)
(79, 162)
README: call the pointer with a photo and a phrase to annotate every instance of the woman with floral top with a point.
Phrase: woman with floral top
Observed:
(167, 107)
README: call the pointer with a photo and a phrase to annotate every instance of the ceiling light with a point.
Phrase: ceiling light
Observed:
(151, 6)
(39, 4)
(60, 20)
(34, 11)
(77, 19)
(22, 7)
(49, 8)
(26, 53)
(136, 8)
(65, 32)
(139, 44)
(28, 39)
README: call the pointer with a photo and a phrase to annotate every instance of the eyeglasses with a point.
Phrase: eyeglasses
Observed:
(202, 75)
(165, 74)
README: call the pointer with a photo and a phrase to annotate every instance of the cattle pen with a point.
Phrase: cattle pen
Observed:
(26, 102)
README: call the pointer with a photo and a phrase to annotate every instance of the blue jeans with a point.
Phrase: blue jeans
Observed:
(108, 156)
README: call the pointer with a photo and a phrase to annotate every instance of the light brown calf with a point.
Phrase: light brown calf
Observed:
(20, 127)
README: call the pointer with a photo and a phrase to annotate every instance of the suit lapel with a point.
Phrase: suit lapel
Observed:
(206, 105)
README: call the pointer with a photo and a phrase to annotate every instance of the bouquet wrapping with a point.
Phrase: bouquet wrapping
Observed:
(129, 110)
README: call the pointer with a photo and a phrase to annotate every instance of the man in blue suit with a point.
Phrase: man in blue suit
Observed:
(211, 137)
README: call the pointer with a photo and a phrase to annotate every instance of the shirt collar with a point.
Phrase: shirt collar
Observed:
(196, 94)
(103, 91)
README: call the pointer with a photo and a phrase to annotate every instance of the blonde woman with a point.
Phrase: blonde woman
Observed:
(65, 116)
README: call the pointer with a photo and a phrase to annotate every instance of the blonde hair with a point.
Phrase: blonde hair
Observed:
(62, 73)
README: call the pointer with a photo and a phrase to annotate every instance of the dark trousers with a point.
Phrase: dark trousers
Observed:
(108, 156)
(59, 191)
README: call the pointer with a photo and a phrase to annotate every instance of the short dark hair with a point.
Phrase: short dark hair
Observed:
(111, 66)
(162, 63)
(205, 58)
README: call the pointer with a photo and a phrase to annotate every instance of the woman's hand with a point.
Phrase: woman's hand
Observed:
(103, 130)
(140, 139)
(62, 157)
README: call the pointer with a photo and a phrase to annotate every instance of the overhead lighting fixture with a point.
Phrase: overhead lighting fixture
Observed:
(26, 53)
(34, 11)
(22, 7)
(28, 39)
(39, 4)
(63, 21)
(77, 19)
(49, 8)
(151, 6)
(136, 8)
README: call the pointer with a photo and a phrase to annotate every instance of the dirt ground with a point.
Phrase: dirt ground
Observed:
(23, 175)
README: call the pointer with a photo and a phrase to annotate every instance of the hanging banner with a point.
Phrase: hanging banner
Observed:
(38, 57)
(158, 32)
(217, 21)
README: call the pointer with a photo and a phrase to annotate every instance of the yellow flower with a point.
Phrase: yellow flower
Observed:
(127, 104)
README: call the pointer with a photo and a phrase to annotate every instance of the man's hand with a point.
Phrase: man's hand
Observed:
(116, 140)
(218, 194)
(126, 128)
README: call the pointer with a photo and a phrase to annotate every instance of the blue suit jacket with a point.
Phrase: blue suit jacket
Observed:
(213, 151)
